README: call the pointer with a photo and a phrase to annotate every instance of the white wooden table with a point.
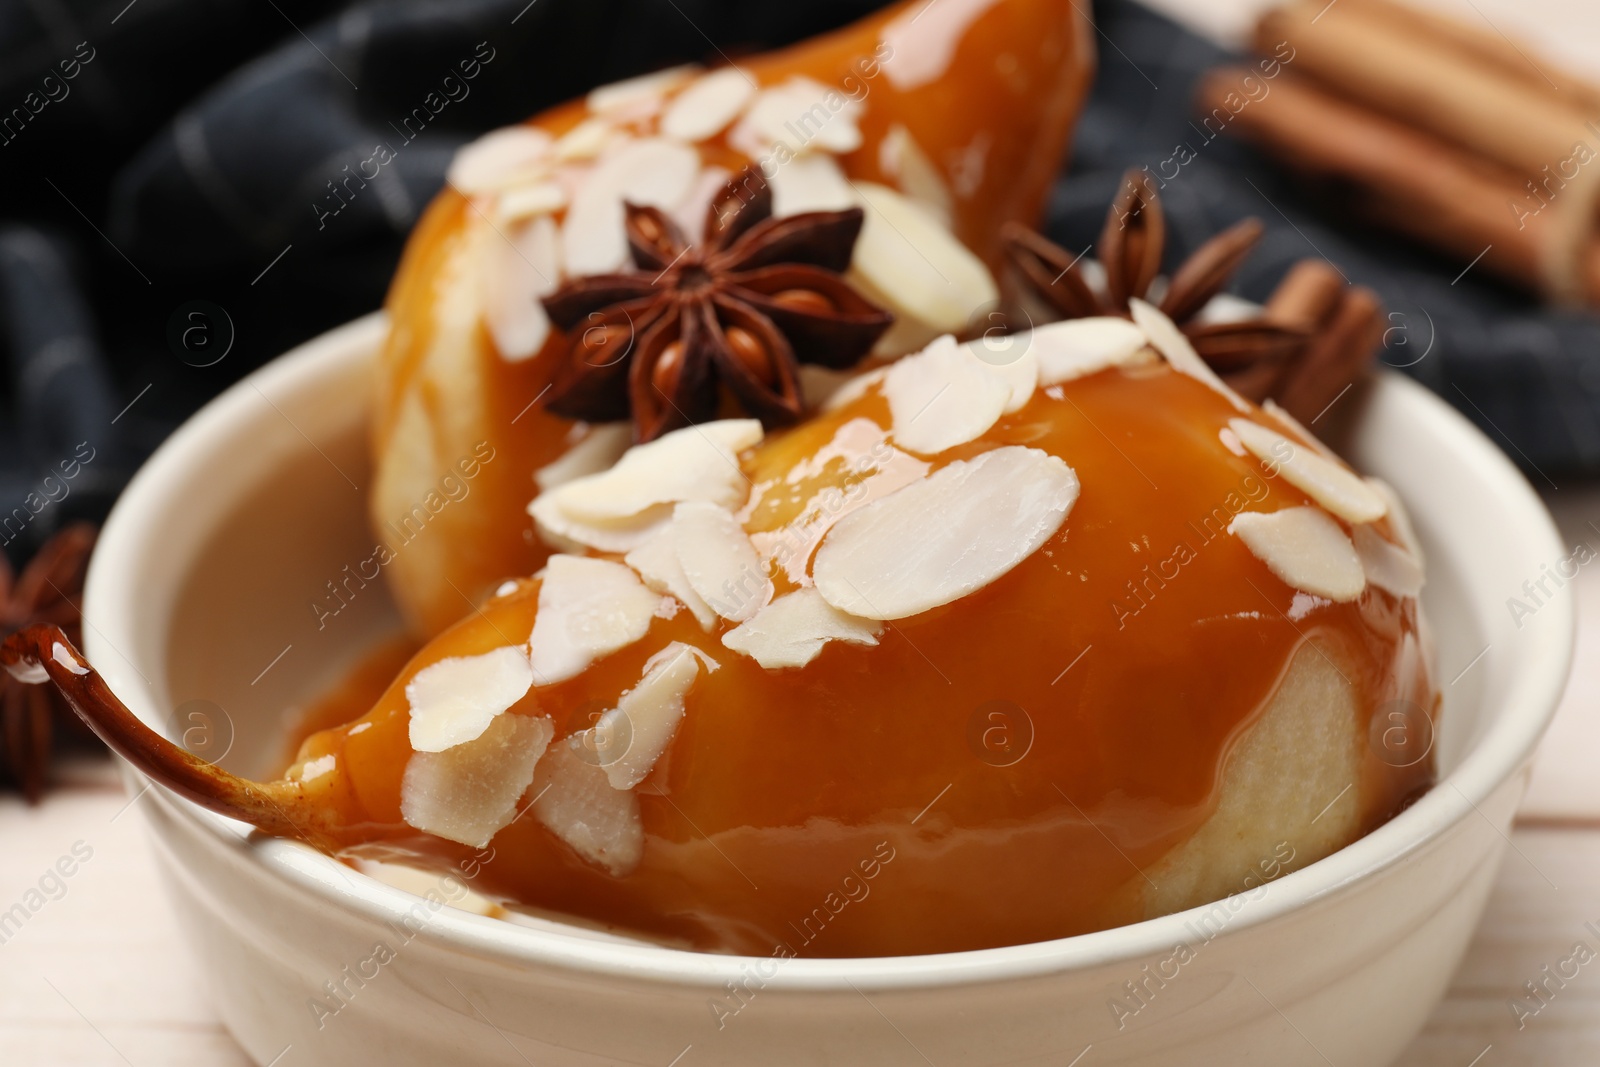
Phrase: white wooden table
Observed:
(97, 975)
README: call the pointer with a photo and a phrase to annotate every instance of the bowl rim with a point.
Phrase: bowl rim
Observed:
(1535, 680)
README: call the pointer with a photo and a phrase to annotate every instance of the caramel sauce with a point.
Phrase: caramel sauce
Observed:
(1134, 648)
(995, 118)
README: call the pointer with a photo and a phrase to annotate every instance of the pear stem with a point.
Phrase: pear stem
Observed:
(41, 653)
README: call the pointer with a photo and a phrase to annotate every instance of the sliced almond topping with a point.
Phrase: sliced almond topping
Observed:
(653, 171)
(1387, 565)
(1277, 411)
(585, 140)
(720, 562)
(1225, 307)
(1324, 480)
(657, 563)
(903, 159)
(802, 114)
(1171, 343)
(907, 262)
(631, 737)
(1077, 348)
(854, 388)
(690, 215)
(705, 107)
(498, 159)
(525, 265)
(694, 463)
(942, 397)
(569, 534)
(454, 700)
(946, 536)
(809, 183)
(1399, 519)
(588, 608)
(1011, 358)
(1306, 550)
(574, 800)
(790, 631)
(525, 201)
(629, 92)
(597, 450)
(469, 793)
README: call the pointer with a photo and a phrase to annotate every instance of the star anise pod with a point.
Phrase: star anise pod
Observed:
(47, 591)
(740, 311)
(1284, 352)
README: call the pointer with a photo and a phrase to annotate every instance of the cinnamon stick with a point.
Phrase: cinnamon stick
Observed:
(1516, 60)
(1416, 182)
(1425, 83)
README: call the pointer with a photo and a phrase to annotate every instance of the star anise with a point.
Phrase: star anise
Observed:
(737, 311)
(47, 591)
(1302, 349)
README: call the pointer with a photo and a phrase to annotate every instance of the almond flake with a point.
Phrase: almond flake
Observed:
(563, 531)
(809, 183)
(657, 563)
(694, 463)
(706, 106)
(1305, 548)
(942, 397)
(1387, 565)
(1271, 407)
(690, 215)
(903, 159)
(631, 737)
(1324, 480)
(525, 201)
(909, 263)
(454, 700)
(653, 171)
(790, 631)
(719, 561)
(498, 159)
(1077, 348)
(574, 800)
(629, 92)
(588, 608)
(946, 536)
(597, 450)
(1399, 519)
(803, 114)
(1225, 307)
(524, 266)
(855, 388)
(585, 140)
(1171, 343)
(469, 793)
(1009, 357)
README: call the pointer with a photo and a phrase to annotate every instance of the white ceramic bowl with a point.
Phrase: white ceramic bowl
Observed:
(202, 589)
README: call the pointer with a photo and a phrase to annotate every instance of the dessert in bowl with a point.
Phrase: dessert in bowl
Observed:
(791, 684)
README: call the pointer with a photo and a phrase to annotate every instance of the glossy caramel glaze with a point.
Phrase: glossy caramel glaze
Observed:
(995, 119)
(852, 807)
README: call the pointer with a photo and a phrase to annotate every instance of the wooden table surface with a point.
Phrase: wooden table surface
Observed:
(98, 976)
